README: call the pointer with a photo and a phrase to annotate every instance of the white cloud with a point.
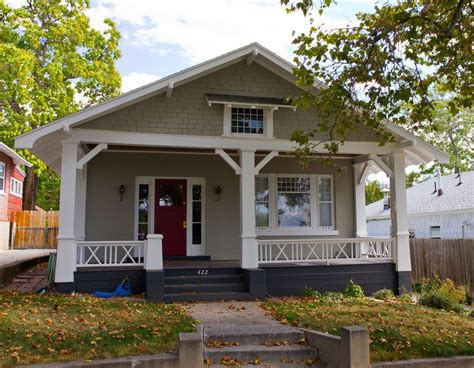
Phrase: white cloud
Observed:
(205, 29)
(135, 80)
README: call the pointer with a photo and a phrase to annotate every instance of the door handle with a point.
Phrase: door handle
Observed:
(185, 224)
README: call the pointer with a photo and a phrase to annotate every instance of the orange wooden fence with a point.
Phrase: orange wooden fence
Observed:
(35, 229)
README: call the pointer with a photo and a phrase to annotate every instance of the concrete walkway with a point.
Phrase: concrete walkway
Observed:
(8, 257)
(230, 314)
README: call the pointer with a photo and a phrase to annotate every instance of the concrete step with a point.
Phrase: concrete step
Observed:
(275, 354)
(216, 279)
(254, 334)
(205, 288)
(209, 297)
(202, 272)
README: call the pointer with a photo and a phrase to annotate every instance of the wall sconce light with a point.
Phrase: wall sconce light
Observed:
(218, 191)
(122, 189)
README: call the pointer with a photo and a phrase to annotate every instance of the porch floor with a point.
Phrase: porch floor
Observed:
(199, 264)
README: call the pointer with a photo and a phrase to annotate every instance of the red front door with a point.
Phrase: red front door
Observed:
(170, 215)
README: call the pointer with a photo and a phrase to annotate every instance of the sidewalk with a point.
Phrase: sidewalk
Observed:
(230, 314)
(8, 257)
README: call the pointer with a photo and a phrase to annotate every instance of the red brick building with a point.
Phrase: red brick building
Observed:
(11, 189)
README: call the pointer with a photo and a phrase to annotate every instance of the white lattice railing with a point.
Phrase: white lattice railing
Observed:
(110, 253)
(317, 250)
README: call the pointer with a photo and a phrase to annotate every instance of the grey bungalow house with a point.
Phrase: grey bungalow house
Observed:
(188, 187)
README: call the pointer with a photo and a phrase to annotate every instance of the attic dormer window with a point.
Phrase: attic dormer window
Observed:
(247, 121)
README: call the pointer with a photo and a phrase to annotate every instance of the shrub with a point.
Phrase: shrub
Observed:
(436, 299)
(437, 289)
(309, 292)
(406, 298)
(384, 294)
(456, 294)
(426, 285)
(354, 290)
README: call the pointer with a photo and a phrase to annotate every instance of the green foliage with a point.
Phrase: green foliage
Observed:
(373, 193)
(412, 179)
(333, 296)
(406, 298)
(309, 292)
(390, 59)
(442, 294)
(48, 190)
(384, 294)
(354, 290)
(52, 64)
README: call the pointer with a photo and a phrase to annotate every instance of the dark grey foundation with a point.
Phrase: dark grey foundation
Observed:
(155, 286)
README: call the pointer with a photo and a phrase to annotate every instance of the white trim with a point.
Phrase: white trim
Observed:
(213, 142)
(333, 203)
(3, 188)
(20, 186)
(229, 161)
(195, 249)
(17, 159)
(435, 213)
(314, 229)
(265, 161)
(90, 155)
(191, 249)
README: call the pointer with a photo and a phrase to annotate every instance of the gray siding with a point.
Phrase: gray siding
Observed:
(108, 218)
(451, 225)
(186, 111)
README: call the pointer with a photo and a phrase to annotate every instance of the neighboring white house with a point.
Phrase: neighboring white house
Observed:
(172, 183)
(430, 215)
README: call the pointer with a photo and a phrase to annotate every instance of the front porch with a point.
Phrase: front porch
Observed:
(294, 229)
(285, 267)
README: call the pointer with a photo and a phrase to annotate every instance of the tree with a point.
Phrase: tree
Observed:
(412, 179)
(390, 58)
(52, 64)
(373, 193)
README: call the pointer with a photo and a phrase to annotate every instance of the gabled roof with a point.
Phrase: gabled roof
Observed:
(422, 200)
(17, 159)
(253, 52)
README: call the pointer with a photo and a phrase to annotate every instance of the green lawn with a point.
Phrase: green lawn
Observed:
(52, 328)
(398, 330)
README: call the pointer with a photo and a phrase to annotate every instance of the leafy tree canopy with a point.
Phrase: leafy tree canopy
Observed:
(390, 58)
(52, 63)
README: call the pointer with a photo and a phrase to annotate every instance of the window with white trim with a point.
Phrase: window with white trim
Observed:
(294, 202)
(262, 201)
(435, 232)
(143, 209)
(245, 120)
(325, 202)
(16, 187)
(2, 177)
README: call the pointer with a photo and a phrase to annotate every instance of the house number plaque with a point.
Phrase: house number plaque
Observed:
(203, 272)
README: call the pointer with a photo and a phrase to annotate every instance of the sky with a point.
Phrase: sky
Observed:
(161, 37)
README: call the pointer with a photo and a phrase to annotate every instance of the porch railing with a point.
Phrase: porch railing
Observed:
(324, 250)
(110, 253)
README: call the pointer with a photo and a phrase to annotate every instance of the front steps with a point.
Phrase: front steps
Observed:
(271, 346)
(207, 284)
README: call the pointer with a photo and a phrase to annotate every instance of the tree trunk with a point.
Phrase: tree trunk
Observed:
(30, 188)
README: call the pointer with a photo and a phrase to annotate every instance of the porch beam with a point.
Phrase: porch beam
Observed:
(229, 161)
(399, 218)
(213, 142)
(363, 173)
(265, 161)
(66, 253)
(382, 165)
(249, 246)
(94, 152)
(360, 173)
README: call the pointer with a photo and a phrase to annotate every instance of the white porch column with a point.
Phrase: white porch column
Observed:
(66, 253)
(399, 217)
(359, 199)
(249, 257)
(80, 213)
